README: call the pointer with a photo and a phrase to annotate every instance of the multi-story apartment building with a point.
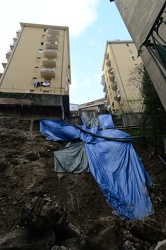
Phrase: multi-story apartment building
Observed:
(122, 95)
(37, 74)
(145, 21)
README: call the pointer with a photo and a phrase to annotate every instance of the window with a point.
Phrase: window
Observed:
(45, 92)
(34, 79)
(41, 43)
(130, 51)
(40, 51)
(36, 69)
(45, 30)
(38, 59)
(47, 79)
(127, 45)
(133, 58)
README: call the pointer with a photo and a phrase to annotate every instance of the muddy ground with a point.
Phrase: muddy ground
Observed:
(27, 170)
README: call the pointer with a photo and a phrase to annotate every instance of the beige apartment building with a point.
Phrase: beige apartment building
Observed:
(37, 72)
(145, 21)
(119, 66)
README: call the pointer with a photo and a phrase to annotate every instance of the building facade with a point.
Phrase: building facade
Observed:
(145, 21)
(37, 71)
(122, 94)
(92, 109)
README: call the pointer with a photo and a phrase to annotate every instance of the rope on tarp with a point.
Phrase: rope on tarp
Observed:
(127, 139)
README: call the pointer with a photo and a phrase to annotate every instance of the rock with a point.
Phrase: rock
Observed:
(161, 245)
(60, 176)
(3, 164)
(103, 234)
(33, 156)
(72, 231)
(45, 153)
(59, 248)
(128, 245)
(146, 232)
(42, 214)
(21, 239)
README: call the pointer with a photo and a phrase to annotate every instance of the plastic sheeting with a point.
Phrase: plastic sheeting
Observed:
(57, 130)
(63, 159)
(115, 166)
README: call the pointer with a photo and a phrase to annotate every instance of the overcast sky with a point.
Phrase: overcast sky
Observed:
(91, 23)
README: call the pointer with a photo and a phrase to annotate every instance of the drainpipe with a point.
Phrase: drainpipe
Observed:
(63, 46)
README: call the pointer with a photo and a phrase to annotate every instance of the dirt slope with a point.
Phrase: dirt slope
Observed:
(26, 170)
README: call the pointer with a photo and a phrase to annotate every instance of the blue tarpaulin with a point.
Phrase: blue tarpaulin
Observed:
(115, 165)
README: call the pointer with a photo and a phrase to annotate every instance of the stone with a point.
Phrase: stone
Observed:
(104, 234)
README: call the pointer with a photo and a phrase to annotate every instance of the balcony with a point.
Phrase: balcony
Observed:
(104, 87)
(18, 32)
(50, 53)
(106, 56)
(110, 71)
(52, 38)
(4, 63)
(53, 31)
(117, 96)
(47, 72)
(51, 45)
(111, 77)
(114, 86)
(103, 80)
(49, 62)
(12, 45)
(108, 63)
(15, 38)
(1, 73)
(8, 54)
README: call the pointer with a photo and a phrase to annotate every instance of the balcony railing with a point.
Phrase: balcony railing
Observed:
(53, 31)
(4, 63)
(18, 32)
(15, 38)
(108, 63)
(103, 80)
(50, 53)
(49, 62)
(117, 96)
(110, 71)
(51, 45)
(114, 86)
(104, 87)
(52, 38)
(1, 73)
(8, 54)
(155, 41)
(111, 77)
(106, 56)
(47, 72)
(12, 45)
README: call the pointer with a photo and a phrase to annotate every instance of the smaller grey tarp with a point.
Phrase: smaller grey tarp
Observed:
(71, 159)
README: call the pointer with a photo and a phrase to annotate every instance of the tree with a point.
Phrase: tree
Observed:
(154, 115)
